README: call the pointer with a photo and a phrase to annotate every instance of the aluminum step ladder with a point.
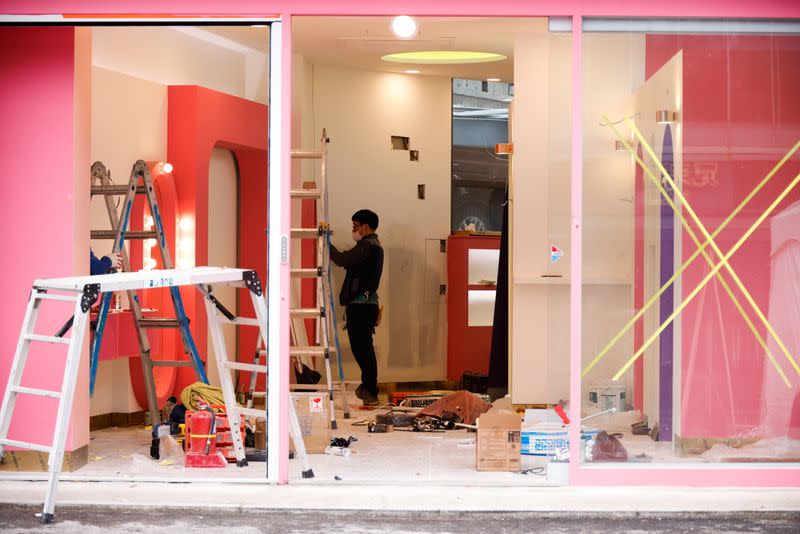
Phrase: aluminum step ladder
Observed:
(84, 292)
(218, 315)
(119, 233)
(324, 313)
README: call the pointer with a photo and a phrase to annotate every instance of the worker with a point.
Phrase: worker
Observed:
(359, 295)
(104, 264)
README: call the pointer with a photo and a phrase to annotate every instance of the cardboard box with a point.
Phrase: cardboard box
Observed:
(312, 413)
(33, 461)
(499, 438)
(260, 435)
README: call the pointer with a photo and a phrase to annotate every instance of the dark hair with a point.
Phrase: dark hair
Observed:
(366, 217)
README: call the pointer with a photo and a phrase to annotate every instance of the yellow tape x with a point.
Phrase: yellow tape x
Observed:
(701, 250)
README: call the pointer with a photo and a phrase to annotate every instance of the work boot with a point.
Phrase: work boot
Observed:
(369, 398)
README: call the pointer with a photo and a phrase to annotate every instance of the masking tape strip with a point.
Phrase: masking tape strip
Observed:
(708, 259)
(708, 277)
(713, 244)
(686, 264)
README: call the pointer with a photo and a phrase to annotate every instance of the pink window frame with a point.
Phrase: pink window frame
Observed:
(672, 475)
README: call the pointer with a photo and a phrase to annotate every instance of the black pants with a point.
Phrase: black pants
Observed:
(361, 320)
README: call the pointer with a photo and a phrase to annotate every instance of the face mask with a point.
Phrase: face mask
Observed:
(356, 236)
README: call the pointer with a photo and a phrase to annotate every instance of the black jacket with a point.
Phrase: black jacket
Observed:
(364, 265)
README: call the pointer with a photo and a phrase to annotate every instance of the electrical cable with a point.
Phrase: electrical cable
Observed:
(532, 471)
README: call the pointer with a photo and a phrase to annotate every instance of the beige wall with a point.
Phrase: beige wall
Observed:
(614, 68)
(222, 241)
(121, 105)
(540, 218)
(182, 56)
(361, 110)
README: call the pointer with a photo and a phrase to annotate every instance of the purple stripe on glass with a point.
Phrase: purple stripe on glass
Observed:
(667, 303)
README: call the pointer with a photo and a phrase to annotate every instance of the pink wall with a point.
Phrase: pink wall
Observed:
(44, 135)
(740, 94)
(682, 8)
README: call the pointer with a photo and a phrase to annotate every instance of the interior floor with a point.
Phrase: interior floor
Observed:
(398, 457)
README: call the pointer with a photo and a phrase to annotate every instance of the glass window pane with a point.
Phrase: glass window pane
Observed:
(683, 127)
(479, 176)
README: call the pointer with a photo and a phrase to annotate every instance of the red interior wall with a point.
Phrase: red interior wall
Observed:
(198, 120)
(741, 115)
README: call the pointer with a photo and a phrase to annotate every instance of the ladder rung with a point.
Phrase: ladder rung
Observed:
(306, 273)
(24, 445)
(49, 296)
(159, 323)
(112, 234)
(308, 233)
(301, 350)
(253, 412)
(306, 313)
(47, 339)
(306, 154)
(172, 363)
(246, 367)
(309, 387)
(114, 189)
(261, 352)
(247, 321)
(37, 392)
(305, 193)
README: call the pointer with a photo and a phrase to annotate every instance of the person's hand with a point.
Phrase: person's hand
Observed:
(116, 260)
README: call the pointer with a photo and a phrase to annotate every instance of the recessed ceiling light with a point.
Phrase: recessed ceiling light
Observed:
(404, 27)
(411, 71)
(443, 57)
(492, 79)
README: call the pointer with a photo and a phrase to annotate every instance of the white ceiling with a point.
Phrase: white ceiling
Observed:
(359, 42)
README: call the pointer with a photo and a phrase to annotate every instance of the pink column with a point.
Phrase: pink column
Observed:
(576, 235)
(45, 94)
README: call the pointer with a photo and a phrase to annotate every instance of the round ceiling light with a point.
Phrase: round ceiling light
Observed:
(404, 27)
(443, 57)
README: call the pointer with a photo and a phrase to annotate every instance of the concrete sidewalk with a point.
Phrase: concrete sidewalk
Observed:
(252, 496)
(99, 520)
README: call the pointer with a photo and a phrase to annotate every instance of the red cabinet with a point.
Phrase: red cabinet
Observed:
(471, 287)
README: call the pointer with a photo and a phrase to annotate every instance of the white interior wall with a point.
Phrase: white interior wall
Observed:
(361, 110)
(182, 56)
(540, 215)
(119, 102)
(223, 230)
(132, 68)
(540, 188)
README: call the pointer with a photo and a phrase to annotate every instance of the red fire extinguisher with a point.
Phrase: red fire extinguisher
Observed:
(202, 450)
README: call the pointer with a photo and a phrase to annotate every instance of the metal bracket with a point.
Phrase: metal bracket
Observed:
(252, 282)
(89, 297)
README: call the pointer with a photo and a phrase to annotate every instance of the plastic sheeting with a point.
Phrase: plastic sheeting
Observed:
(780, 407)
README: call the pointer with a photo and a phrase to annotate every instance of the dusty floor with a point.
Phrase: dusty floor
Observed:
(399, 457)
